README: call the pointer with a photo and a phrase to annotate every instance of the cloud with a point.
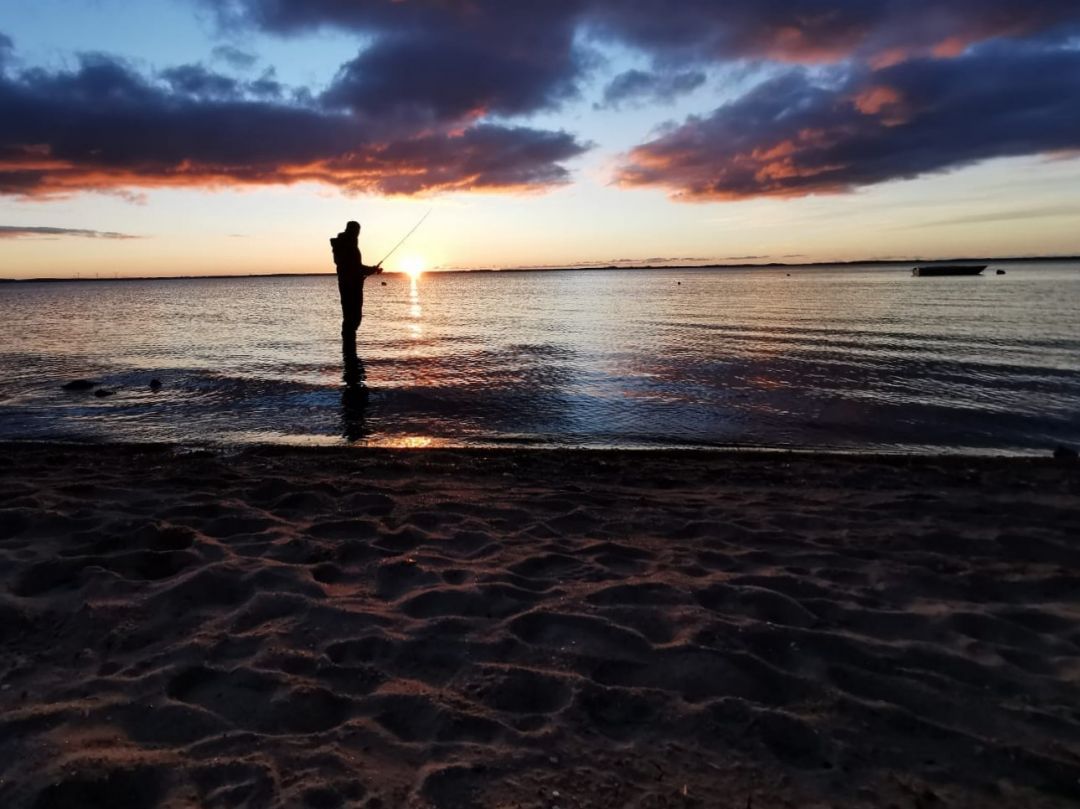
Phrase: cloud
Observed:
(196, 80)
(821, 30)
(199, 82)
(1039, 212)
(796, 135)
(453, 77)
(236, 58)
(434, 78)
(441, 64)
(266, 86)
(444, 63)
(788, 30)
(104, 127)
(436, 64)
(637, 86)
(19, 232)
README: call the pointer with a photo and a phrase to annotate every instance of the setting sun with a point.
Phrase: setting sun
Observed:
(413, 265)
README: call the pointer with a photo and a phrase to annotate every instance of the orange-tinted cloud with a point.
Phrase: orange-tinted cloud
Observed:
(885, 102)
(424, 105)
(103, 127)
(791, 136)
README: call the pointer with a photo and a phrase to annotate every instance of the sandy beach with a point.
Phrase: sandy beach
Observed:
(334, 628)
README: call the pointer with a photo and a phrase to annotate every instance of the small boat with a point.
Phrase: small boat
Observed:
(936, 270)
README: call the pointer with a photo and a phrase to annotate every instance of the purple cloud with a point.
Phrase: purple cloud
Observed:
(445, 75)
(435, 78)
(104, 127)
(792, 136)
(439, 64)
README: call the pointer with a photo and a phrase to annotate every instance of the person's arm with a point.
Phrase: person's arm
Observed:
(365, 269)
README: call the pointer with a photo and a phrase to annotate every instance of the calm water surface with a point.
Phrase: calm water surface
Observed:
(854, 359)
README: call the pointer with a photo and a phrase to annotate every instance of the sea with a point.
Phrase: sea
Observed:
(841, 358)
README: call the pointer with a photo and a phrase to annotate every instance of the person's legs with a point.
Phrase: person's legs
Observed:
(350, 321)
(348, 345)
(352, 314)
(352, 302)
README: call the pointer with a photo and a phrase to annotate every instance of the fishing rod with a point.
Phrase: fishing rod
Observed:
(406, 236)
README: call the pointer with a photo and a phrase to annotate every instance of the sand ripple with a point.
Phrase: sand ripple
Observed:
(455, 629)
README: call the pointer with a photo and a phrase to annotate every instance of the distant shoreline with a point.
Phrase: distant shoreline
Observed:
(585, 268)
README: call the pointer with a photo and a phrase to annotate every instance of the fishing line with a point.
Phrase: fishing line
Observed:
(406, 236)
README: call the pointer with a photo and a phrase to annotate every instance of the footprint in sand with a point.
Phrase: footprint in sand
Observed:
(259, 701)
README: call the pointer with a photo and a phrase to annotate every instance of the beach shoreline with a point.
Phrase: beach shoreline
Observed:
(325, 627)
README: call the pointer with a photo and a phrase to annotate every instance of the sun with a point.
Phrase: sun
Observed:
(413, 265)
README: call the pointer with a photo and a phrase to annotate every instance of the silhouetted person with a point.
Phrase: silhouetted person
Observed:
(351, 272)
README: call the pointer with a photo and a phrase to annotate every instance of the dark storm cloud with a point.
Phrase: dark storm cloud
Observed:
(20, 232)
(440, 63)
(440, 78)
(791, 136)
(642, 87)
(105, 127)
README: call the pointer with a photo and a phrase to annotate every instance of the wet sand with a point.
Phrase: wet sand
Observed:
(332, 628)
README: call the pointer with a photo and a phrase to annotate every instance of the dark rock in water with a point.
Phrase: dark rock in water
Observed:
(155, 384)
(79, 384)
(101, 393)
(1001, 272)
(384, 283)
(1063, 453)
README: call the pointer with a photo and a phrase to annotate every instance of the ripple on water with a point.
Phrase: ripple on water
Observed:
(855, 358)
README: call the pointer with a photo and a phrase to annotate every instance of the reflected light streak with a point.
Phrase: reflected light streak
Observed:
(409, 442)
(415, 310)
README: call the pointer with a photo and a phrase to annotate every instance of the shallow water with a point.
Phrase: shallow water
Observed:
(853, 359)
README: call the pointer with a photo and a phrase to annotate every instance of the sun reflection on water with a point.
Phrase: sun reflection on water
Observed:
(409, 442)
(416, 312)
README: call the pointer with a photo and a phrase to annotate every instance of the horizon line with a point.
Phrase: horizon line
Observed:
(568, 268)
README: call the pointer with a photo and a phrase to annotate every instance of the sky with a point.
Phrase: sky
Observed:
(176, 137)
